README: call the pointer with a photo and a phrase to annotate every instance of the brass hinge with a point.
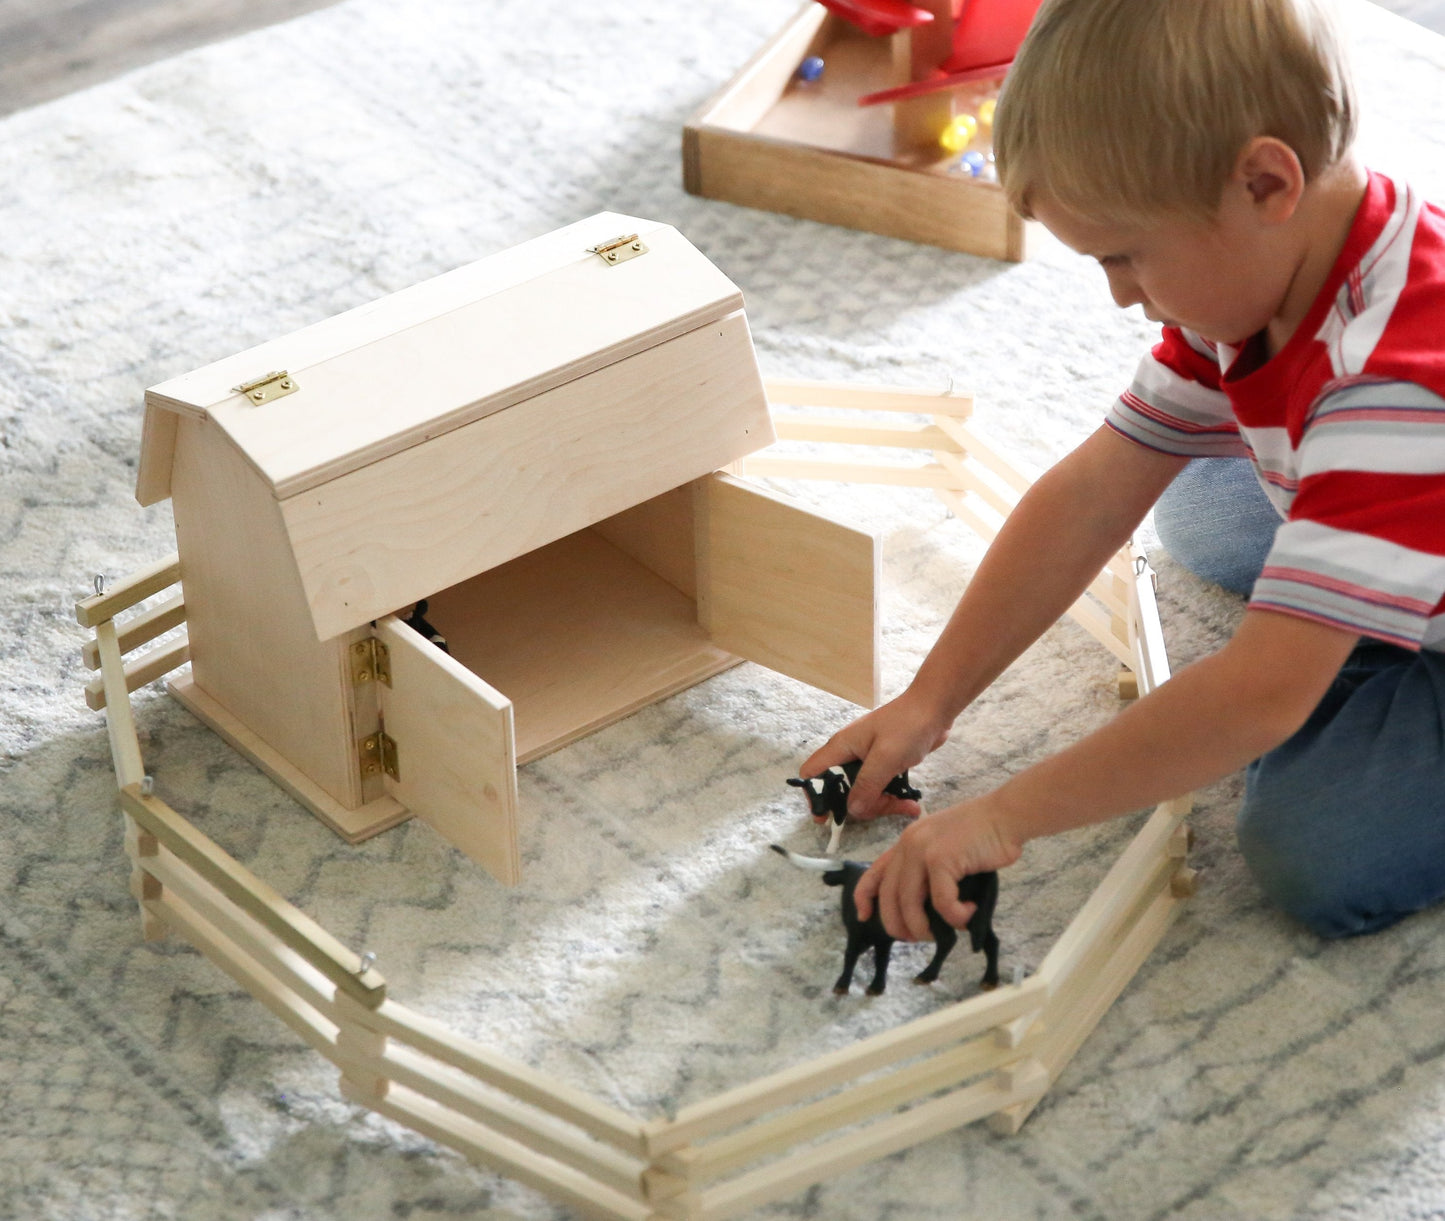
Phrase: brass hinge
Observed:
(370, 659)
(378, 754)
(264, 389)
(619, 249)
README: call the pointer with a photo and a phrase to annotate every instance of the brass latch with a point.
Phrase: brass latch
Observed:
(619, 249)
(275, 385)
(378, 754)
(370, 659)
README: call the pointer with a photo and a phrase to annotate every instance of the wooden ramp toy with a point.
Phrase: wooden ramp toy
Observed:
(870, 118)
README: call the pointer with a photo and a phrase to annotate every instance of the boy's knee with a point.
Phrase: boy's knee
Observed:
(1309, 865)
(1305, 883)
(1343, 826)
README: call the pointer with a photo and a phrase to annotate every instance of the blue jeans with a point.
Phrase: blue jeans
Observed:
(1343, 826)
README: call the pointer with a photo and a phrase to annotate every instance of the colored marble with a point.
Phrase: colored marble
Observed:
(959, 133)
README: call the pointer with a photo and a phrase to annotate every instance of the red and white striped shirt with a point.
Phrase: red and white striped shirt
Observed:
(1345, 425)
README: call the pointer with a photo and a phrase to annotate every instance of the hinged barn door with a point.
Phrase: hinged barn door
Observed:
(788, 589)
(455, 753)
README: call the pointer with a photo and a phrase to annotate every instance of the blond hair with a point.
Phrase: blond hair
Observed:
(1129, 109)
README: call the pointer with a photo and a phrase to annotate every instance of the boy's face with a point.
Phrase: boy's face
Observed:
(1218, 278)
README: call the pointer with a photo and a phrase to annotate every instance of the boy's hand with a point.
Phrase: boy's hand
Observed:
(927, 862)
(888, 740)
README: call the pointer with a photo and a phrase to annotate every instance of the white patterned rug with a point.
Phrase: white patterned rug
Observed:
(656, 952)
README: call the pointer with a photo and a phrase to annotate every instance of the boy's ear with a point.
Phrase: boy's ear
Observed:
(1271, 173)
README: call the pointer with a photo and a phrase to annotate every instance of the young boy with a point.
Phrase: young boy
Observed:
(1200, 150)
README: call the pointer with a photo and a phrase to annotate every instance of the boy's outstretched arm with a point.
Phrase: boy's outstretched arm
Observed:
(1209, 720)
(1056, 541)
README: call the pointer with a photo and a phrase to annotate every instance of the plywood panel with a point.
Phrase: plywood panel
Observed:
(454, 738)
(659, 534)
(578, 635)
(441, 512)
(253, 650)
(788, 589)
(780, 176)
(353, 824)
(415, 364)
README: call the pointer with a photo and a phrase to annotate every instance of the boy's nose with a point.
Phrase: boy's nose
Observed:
(1125, 290)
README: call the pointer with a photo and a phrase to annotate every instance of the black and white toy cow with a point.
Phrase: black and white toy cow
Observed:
(978, 888)
(828, 795)
(418, 623)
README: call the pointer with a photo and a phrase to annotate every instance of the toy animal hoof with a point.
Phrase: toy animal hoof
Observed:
(875, 991)
(987, 987)
(840, 991)
(920, 979)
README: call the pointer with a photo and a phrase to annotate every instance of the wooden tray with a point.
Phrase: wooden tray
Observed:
(770, 141)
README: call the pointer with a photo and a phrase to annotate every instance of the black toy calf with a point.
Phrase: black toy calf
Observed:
(418, 623)
(977, 888)
(830, 798)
